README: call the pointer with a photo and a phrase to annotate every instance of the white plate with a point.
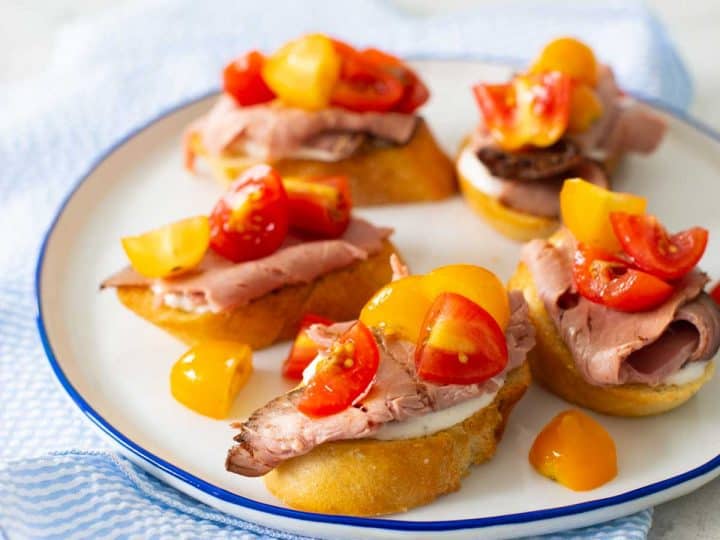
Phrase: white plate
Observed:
(115, 366)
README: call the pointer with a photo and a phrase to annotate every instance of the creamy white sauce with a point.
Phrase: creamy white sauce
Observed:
(474, 171)
(180, 301)
(690, 372)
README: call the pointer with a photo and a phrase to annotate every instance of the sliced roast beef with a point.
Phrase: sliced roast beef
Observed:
(612, 347)
(272, 131)
(220, 284)
(279, 431)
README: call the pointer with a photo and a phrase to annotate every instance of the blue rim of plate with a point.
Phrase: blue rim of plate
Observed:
(378, 523)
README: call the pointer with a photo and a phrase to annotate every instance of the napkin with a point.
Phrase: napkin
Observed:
(112, 72)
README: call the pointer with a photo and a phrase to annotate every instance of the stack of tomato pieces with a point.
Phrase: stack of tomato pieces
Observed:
(252, 219)
(459, 337)
(340, 75)
(625, 259)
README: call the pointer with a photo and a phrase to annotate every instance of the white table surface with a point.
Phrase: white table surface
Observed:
(29, 28)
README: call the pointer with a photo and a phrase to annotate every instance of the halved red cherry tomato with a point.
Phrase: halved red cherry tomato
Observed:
(460, 343)
(251, 219)
(653, 250)
(605, 279)
(531, 110)
(715, 293)
(242, 79)
(415, 92)
(364, 86)
(304, 349)
(320, 206)
(344, 376)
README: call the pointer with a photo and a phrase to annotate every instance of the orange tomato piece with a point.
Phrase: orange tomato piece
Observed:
(585, 108)
(570, 56)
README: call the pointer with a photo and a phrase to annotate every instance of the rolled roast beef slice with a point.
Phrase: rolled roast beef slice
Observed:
(601, 340)
(279, 431)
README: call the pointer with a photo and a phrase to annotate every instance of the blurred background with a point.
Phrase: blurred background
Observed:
(29, 28)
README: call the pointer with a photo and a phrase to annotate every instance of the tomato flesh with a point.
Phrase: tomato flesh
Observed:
(653, 250)
(415, 93)
(344, 376)
(460, 343)
(531, 110)
(242, 79)
(319, 206)
(605, 279)
(250, 220)
(715, 293)
(304, 349)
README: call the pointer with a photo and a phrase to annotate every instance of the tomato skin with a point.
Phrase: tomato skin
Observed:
(460, 343)
(653, 250)
(304, 350)
(343, 376)
(250, 220)
(242, 79)
(415, 92)
(604, 279)
(364, 86)
(319, 206)
(715, 293)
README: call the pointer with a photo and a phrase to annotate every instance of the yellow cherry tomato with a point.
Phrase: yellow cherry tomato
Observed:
(473, 282)
(303, 72)
(208, 377)
(586, 209)
(398, 308)
(169, 250)
(576, 451)
(570, 56)
(585, 108)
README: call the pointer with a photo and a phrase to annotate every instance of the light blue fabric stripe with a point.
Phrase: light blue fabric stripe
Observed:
(111, 74)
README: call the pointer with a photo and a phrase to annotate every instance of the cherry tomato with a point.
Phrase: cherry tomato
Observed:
(460, 343)
(415, 92)
(364, 86)
(653, 250)
(242, 79)
(531, 110)
(304, 349)
(250, 220)
(715, 293)
(344, 376)
(605, 279)
(319, 206)
(571, 56)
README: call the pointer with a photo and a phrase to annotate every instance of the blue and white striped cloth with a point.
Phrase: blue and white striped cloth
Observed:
(108, 75)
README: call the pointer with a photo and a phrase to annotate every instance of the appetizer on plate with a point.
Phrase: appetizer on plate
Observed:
(271, 250)
(564, 117)
(397, 405)
(623, 324)
(319, 107)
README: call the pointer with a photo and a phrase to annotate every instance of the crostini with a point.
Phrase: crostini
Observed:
(319, 107)
(271, 250)
(623, 324)
(565, 117)
(397, 405)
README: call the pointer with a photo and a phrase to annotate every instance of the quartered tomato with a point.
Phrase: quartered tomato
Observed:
(652, 249)
(415, 92)
(604, 279)
(570, 56)
(460, 343)
(586, 209)
(319, 206)
(242, 79)
(585, 108)
(398, 308)
(169, 250)
(344, 376)
(365, 86)
(251, 219)
(532, 110)
(304, 349)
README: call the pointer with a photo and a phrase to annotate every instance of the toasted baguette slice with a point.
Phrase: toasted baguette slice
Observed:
(416, 171)
(371, 477)
(553, 366)
(514, 224)
(339, 295)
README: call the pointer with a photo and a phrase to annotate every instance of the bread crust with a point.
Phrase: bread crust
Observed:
(553, 366)
(416, 171)
(371, 477)
(339, 295)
